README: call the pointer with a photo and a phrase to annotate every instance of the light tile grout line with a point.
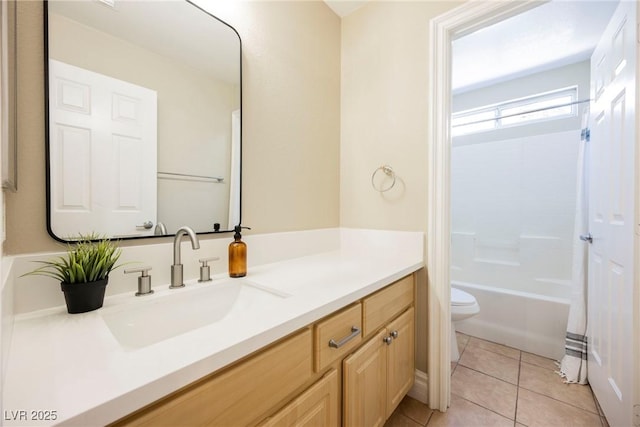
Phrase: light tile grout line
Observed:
(499, 379)
(429, 418)
(520, 362)
(483, 407)
(492, 352)
(515, 414)
(562, 401)
(491, 376)
(603, 419)
(496, 343)
(473, 403)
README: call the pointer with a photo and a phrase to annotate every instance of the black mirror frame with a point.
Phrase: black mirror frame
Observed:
(46, 127)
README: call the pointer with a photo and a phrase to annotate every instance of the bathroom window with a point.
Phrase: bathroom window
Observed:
(541, 107)
(476, 121)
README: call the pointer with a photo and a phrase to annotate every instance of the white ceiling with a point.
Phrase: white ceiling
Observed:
(345, 7)
(556, 33)
(174, 29)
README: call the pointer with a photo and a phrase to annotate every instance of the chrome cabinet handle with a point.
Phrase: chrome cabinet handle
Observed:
(394, 334)
(355, 331)
(387, 340)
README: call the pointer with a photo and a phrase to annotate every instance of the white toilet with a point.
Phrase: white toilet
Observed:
(463, 306)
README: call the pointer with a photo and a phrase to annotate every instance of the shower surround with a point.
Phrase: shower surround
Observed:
(513, 206)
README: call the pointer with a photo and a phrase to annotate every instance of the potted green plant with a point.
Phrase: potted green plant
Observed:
(83, 272)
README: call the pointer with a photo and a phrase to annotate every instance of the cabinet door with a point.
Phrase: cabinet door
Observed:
(364, 384)
(400, 359)
(317, 407)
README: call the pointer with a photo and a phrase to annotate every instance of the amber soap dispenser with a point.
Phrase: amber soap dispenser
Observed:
(237, 255)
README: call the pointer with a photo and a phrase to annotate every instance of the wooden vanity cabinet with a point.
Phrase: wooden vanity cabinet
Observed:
(239, 396)
(323, 375)
(381, 372)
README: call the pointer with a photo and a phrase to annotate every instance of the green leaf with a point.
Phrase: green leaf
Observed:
(92, 258)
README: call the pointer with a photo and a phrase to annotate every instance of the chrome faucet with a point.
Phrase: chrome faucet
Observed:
(160, 229)
(176, 268)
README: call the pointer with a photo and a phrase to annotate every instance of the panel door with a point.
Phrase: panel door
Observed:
(400, 359)
(316, 407)
(364, 384)
(103, 155)
(611, 216)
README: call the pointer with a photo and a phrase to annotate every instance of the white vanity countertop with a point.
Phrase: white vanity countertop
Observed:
(73, 367)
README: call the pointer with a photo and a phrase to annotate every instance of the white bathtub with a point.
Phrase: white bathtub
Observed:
(528, 321)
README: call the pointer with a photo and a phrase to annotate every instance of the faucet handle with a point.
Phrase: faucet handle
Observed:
(205, 270)
(144, 280)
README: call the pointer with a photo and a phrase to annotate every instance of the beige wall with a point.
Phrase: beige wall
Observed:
(385, 48)
(384, 112)
(291, 113)
(291, 120)
(302, 169)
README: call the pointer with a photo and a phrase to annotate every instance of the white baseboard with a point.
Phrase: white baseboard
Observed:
(420, 389)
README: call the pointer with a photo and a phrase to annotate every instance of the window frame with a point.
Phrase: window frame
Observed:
(498, 108)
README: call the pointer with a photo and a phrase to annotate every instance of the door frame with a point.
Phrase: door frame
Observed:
(460, 21)
(465, 19)
(635, 345)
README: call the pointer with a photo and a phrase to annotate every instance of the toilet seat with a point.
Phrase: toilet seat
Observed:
(461, 298)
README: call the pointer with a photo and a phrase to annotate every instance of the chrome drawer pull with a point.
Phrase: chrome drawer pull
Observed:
(355, 331)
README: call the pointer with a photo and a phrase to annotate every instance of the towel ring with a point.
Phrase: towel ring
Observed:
(387, 170)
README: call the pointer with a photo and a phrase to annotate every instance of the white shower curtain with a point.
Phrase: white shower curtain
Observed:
(573, 366)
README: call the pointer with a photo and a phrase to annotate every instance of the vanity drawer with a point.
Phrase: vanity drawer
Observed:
(336, 335)
(384, 305)
(241, 395)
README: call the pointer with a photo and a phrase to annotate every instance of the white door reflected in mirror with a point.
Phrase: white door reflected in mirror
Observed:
(103, 155)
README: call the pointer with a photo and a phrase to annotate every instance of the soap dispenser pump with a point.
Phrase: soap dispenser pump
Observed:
(237, 255)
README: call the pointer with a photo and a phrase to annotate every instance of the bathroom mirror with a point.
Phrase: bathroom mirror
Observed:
(143, 119)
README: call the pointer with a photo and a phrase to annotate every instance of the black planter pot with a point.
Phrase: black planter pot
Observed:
(83, 297)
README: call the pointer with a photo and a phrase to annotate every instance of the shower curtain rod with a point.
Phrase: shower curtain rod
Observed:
(525, 112)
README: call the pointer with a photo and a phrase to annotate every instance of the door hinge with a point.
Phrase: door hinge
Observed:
(585, 134)
(636, 415)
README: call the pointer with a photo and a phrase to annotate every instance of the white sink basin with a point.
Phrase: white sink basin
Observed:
(156, 318)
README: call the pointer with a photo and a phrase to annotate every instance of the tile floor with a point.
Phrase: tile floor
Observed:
(495, 385)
